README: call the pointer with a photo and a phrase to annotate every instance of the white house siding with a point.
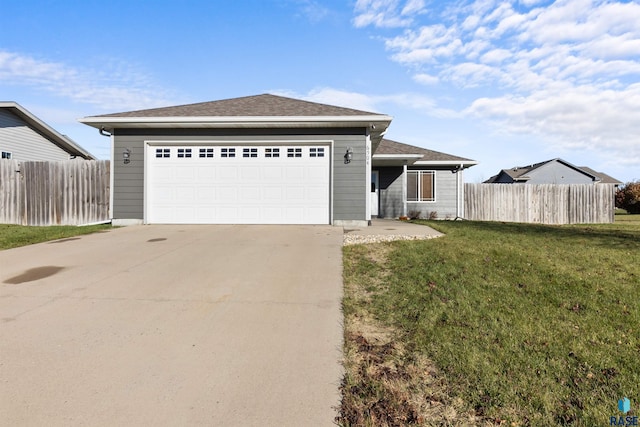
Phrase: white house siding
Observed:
(24, 143)
(348, 180)
(391, 194)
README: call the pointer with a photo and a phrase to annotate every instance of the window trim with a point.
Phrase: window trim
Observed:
(7, 155)
(419, 174)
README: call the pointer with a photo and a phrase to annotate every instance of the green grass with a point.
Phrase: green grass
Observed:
(529, 324)
(12, 236)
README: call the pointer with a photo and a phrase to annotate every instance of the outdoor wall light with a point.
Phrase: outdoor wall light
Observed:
(126, 156)
(348, 155)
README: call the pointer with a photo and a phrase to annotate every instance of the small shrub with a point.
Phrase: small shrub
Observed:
(433, 215)
(414, 214)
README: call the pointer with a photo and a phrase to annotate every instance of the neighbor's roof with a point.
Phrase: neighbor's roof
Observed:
(604, 178)
(521, 173)
(259, 111)
(62, 141)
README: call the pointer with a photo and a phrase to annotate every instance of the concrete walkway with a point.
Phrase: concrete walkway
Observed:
(173, 325)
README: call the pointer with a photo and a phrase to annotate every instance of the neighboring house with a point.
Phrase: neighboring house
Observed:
(416, 180)
(554, 171)
(25, 137)
(261, 159)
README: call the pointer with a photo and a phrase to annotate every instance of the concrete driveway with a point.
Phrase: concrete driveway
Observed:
(173, 325)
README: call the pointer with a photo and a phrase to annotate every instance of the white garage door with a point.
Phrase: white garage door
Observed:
(238, 184)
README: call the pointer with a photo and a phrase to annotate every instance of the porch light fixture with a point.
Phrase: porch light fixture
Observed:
(126, 156)
(348, 155)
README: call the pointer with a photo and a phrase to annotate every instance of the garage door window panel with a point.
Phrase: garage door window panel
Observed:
(206, 152)
(227, 152)
(250, 152)
(163, 153)
(184, 153)
(294, 152)
(271, 152)
(316, 152)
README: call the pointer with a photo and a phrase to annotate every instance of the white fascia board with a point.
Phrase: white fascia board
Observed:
(464, 163)
(378, 122)
(396, 156)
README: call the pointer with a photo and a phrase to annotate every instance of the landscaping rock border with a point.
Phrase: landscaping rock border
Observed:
(354, 239)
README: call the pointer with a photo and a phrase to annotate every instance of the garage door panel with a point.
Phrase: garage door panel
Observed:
(226, 173)
(272, 194)
(184, 173)
(206, 173)
(272, 173)
(250, 195)
(294, 172)
(226, 194)
(232, 190)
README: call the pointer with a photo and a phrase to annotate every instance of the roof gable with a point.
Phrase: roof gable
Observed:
(265, 105)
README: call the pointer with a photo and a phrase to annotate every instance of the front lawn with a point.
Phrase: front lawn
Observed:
(494, 324)
(12, 236)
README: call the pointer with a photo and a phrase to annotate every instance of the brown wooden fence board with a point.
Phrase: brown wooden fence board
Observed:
(72, 192)
(542, 203)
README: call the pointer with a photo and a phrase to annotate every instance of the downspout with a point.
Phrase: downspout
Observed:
(103, 132)
(404, 189)
(459, 193)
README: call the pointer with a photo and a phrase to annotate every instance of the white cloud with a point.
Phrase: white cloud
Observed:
(564, 71)
(116, 88)
(582, 117)
(372, 103)
(413, 7)
(312, 10)
(387, 13)
(426, 79)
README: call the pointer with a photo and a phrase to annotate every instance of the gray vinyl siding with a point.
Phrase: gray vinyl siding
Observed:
(390, 194)
(24, 143)
(349, 180)
(557, 173)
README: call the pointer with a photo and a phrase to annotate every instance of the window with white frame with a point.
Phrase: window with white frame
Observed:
(6, 155)
(421, 186)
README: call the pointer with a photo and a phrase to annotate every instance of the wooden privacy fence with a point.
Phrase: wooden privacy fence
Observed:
(540, 203)
(72, 192)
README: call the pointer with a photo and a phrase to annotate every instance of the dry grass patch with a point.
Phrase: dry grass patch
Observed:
(384, 384)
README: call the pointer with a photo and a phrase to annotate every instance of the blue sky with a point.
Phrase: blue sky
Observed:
(506, 83)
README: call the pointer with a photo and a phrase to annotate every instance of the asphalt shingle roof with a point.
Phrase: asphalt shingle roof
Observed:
(264, 105)
(388, 146)
(604, 178)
